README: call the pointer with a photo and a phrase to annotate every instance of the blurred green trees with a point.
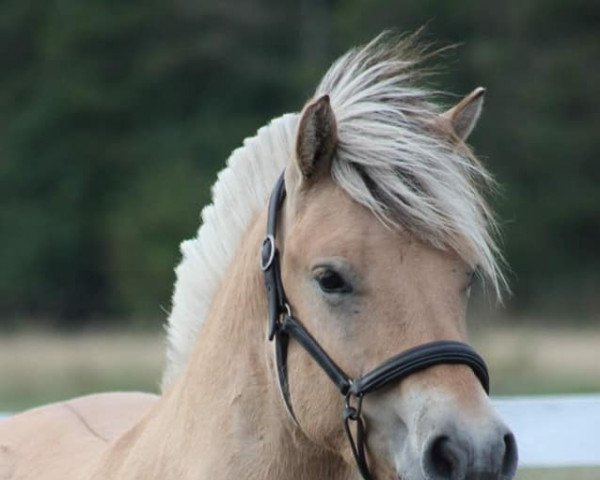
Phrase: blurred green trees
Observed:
(116, 117)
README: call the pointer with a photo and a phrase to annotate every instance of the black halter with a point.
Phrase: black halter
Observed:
(283, 325)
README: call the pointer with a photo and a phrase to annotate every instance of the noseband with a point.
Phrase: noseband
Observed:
(283, 326)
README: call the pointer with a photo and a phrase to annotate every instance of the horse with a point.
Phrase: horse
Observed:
(376, 227)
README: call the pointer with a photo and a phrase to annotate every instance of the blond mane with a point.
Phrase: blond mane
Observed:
(389, 158)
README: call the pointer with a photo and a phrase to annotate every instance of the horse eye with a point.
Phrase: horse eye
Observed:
(332, 282)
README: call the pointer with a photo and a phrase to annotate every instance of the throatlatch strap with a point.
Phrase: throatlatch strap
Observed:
(281, 348)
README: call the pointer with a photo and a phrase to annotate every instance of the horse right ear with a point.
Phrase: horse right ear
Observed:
(316, 139)
(462, 118)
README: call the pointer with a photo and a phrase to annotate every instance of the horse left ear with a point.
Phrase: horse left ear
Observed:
(316, 139)
(463, 117)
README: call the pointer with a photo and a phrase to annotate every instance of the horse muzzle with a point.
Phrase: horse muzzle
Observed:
(443, 440)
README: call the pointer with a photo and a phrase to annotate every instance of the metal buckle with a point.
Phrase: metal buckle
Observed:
(352, 412)
(270, 241)
(276, 324)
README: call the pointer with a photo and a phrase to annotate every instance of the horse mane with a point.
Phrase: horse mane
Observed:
(239, 195)
(389, 158)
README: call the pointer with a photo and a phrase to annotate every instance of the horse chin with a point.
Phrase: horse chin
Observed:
(408, 471)
(386, 472)
(407, 467)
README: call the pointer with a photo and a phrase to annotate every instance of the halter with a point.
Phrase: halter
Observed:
(283, 326)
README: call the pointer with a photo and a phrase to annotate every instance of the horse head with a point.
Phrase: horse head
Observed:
(378, 255)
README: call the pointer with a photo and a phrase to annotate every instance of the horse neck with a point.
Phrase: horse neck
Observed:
(225, 418)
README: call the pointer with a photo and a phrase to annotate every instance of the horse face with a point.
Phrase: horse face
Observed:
(368, 292)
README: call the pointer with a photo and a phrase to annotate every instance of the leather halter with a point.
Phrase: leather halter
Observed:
(283, 326)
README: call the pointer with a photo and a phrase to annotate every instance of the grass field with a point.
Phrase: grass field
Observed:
(40, 368)
(541, 360)
(37, 369)
(560, 474)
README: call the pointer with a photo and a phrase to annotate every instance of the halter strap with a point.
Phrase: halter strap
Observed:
(283, 326)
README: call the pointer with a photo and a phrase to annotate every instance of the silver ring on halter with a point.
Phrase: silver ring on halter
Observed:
(270, 241)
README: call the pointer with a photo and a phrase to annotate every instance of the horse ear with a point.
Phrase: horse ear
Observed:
(316, 139)
(463, 117)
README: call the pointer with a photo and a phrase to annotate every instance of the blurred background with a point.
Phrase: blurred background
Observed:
(116, 117)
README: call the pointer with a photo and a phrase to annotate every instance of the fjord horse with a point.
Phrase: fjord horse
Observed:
(378, 237)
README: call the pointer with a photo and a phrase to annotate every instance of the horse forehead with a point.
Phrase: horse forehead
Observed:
(331, 223)
(329, 219)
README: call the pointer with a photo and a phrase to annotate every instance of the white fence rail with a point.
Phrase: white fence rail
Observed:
(557, 431)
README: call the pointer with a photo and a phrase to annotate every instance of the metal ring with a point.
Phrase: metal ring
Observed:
(269, 239)
(353, 411)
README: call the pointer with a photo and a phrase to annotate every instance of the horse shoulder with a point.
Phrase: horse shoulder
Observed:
(63, 440)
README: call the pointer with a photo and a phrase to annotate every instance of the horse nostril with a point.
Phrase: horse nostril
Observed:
(463, 457)
(443, 460)
(511, 457)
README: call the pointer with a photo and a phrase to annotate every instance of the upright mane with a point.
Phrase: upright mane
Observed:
(390, 158)
(239, 195)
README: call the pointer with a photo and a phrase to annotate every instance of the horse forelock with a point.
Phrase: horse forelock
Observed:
(389, 158)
